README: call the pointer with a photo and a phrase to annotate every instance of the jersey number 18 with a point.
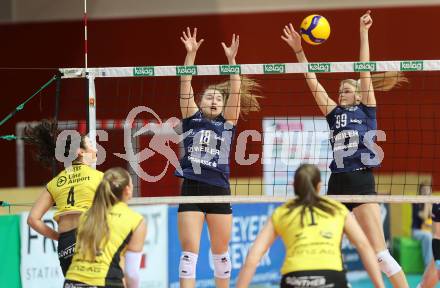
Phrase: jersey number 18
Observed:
(206, 135)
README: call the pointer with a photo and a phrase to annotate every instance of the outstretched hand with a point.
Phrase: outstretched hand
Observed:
(190, 41)
(292, 38)
(366, 21)
(232, 50)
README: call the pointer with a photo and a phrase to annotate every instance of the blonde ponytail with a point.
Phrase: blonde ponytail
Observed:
(248, 100)
(386, 81)
(383, 81)
(94, 232)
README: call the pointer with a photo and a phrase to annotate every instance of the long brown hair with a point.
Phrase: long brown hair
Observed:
(248, 99)
(94, 232)
(307, 178)
(383, 81)
(42, 137)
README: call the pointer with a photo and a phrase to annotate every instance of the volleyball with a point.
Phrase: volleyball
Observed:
(315, 29)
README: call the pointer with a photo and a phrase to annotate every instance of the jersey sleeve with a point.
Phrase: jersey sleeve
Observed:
(276, 219)
(342, 209)
(369, 111)
(99, 176)
(224, 120)
(50, 188)
(186, 122)
(198, 114)
(330, 117)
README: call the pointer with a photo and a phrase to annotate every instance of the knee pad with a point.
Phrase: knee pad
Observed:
(187, 265)
(387, 264)
(222, 265)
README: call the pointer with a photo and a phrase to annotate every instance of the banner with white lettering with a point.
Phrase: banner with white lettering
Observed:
(154, 265)
(39, 258)
(248, 220)
(289, 142)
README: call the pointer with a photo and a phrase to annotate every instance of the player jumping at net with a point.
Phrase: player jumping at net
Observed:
(71, 191)
(432, 272)
(311, 228)
(352, 121)
(205, 164)
(108, 232)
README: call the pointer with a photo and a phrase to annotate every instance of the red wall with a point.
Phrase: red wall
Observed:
(408, 115)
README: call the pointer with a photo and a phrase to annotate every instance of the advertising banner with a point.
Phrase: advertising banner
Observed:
(154, 265)
(39, 258)
(248, 220)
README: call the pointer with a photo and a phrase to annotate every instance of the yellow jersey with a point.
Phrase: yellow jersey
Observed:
(316, 245)
(73, 189)
(106, 269)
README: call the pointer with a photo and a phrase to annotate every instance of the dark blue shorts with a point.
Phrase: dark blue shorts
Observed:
(436, 212)
(360, 182)
(196, 188)
(66, 248)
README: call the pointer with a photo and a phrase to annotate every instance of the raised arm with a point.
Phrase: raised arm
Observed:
(188, 106)
(264, 240)
(232, 106)
(293, 39)
(367, 90)
(360, 241)
(425, 213)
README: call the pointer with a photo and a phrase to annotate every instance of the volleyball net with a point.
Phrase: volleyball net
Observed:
(131, 108)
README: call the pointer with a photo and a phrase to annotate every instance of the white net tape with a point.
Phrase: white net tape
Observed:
(278, 199)
(273, 68)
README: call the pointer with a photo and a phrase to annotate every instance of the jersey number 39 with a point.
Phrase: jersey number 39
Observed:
(341, 120)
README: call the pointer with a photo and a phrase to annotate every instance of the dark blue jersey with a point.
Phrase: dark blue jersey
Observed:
(348, 126)
(436, 212)
(417, 222)
(207, 148)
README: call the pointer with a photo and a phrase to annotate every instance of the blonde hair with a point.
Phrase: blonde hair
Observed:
(94, 232)
(248, 100)
(383, 81)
